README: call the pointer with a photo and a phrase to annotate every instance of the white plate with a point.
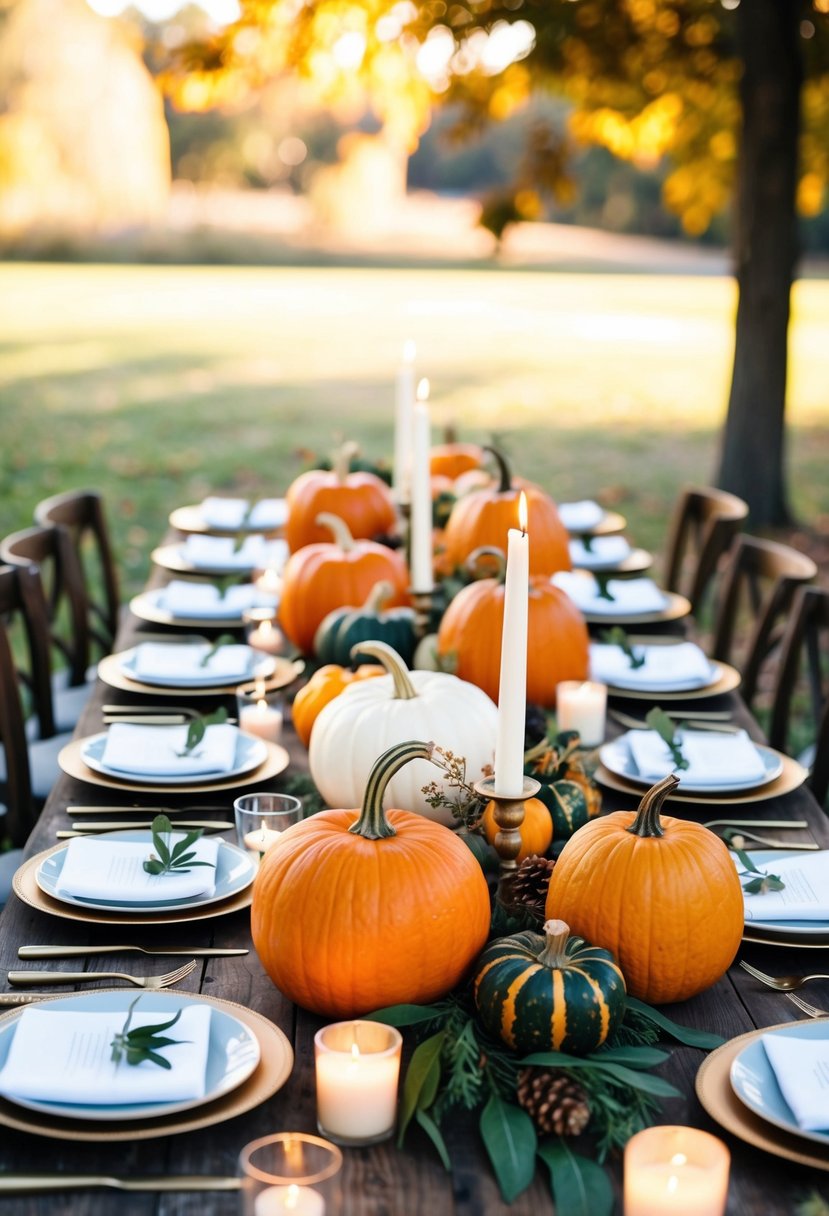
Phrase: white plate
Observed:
(788, 929)
(191, 519)
(754, 1082)
(149, 606)
(235, 870)
(250, 753)
(616, 757)
(262, 667)
(233, 1053)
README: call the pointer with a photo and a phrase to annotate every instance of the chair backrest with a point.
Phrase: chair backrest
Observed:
(19, 819)
(50, 557)
(804, 652)
(703, 525)
(762, 576)
(81, 513)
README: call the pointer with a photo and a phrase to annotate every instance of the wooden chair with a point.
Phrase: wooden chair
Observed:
(702, 527)
(806, 638)
(81, 513)
(762, 577)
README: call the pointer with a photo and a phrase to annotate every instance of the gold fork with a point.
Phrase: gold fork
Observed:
(90, 977)
(782, 983)
(811, 1011)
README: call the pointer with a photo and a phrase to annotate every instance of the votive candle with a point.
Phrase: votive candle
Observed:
(262, 720)
(581, 706)
(675, 1171)
(291, 1200)
(512, 688)
(357, 1070)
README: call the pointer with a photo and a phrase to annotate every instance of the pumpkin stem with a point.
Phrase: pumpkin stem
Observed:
(341, 462)
(373, 824)
(379, 594)
(503, 470)
(450, 433)
(338, 528)
(496, 555)
(404, 690)
(647, 821)
(554, 953)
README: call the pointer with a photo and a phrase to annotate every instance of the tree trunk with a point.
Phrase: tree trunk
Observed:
(752, 461)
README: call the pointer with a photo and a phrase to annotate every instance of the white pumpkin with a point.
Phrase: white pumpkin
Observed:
(373, 715)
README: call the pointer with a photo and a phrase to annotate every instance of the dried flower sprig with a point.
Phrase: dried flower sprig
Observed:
(464, 803)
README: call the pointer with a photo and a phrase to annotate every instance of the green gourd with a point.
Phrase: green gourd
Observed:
(344, 628)
(567, 791)
(549, 993)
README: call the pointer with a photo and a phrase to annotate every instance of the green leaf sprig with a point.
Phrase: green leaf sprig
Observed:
(617, 637)
(587, 542)
(759, 882)
(224, 639)
(602, 588)
(197, 728)
(175, 860)
(143, 1042)
(664, 726)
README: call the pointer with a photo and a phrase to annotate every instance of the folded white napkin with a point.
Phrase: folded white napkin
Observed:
(152, 751)
(97, 868)
(664, 666)
(714, 757)
(805, 895)
(603, 551)
(230, 512)
(801, 1067)
(58, 1055)
(221, 553)
(203, 600)
(630, 596)
(580, 516)
(171, 660)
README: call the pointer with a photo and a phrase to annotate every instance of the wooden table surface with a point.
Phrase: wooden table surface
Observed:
(380, 1181)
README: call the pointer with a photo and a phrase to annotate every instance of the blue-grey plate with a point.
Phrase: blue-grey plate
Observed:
(261, 667)
(235, 870)
(250, 753)
(616, 757)
(233, 1053)
(754, 1082)
(787, 929)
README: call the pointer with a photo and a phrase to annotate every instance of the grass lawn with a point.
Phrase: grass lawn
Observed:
(157, 385)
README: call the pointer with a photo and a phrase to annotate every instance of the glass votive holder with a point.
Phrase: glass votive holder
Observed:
(290, 1173)
(259, 712)
(262, 818)
(262, 631)
(581, 706)
(268, 580)
(675, 1171)
(357, 1070)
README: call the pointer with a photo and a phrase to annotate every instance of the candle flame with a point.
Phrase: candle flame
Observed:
(422, 393)
(673, 1183)
(259, 689)
(292, 1198)
(262, 828)
(263, 704)
(355, 1051)
(523, 511)
(679, 1159)
(266, 628)
(409, 350)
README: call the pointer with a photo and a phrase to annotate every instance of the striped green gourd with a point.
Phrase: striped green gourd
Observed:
(549, 993)
(344, 628)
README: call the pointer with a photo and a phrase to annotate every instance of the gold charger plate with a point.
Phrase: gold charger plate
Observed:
(814, 942)
(728, 679)
(190, 519)
(791, 778)
(636, 562)
(70, 760)
(24, 885)
(168, 557)
(609, 525)
(713, 1086)
(110, 671)
(144, 606)
(675, 609)
(273, 1070)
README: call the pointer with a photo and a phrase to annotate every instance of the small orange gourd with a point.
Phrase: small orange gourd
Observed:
(325, 684)
(358, 909)
(536, 830)
(662, 894)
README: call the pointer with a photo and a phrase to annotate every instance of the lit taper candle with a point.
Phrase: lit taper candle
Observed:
(403, 406)
(512, 689)
(420, 548)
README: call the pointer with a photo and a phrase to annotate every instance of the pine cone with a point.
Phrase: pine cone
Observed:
(529, 887)
(554, 1102)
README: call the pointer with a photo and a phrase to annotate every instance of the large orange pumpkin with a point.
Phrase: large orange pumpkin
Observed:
(325, 684)
(662, 894)
(363, 500)
(469, 637)
(354, 910)
(321, 577)
(483, 517)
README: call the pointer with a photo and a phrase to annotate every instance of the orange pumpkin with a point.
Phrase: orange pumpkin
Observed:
(536, 830)
(469, 637)
(483, 517)
(363, 500)
(321, 577)
(354, 910)
(325, 684)
(452, 459)
(662, 894)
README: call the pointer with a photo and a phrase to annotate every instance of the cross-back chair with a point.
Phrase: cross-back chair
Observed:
(704, 522)
(15, 781)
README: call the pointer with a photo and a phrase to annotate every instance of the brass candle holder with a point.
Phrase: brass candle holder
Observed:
(422, 604)
(509, 815)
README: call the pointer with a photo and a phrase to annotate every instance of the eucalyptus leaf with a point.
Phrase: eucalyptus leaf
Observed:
(406, 1015)
(198, 726)
(760, 881)
(162, 860)
(633, 1057)
(434, 1133)
(509, 1137)
(687, 1035)
(142, 1042)
(420, 1077)
(580, 1186)
(664, 726)
(617, 637)
(602, 589)
(224, 639)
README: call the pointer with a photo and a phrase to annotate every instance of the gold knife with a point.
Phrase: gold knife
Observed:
(107, 825)
(80, 951)
(35, 1183)
(145, 810)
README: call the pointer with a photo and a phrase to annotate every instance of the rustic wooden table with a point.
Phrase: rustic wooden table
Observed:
(380, 1181)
